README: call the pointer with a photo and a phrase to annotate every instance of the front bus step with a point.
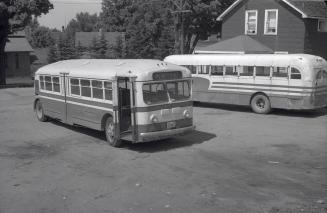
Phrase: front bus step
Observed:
(127, 136)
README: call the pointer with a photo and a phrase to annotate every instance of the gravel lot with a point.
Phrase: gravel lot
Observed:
(236, 161)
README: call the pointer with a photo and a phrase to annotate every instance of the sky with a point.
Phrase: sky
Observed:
(65, 10)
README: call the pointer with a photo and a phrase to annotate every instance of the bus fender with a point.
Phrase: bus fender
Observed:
(104, 119)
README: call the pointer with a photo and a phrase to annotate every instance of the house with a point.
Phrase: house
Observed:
(17, 56)
(285, 26)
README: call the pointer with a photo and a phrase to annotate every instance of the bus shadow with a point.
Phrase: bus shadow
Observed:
(81, 129)
(280, 112)
(195, 137)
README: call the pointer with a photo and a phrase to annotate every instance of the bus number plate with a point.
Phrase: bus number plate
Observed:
(171, 125)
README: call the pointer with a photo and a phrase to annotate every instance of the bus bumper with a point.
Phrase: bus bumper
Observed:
(159, 135)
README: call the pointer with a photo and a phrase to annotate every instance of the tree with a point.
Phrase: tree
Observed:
(14, 16)
(196, 19)
(39, 36)
(53, 54)
(84, 22)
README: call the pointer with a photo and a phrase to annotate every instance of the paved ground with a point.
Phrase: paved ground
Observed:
(236, 161)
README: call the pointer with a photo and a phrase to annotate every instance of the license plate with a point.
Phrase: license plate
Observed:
(171, 125)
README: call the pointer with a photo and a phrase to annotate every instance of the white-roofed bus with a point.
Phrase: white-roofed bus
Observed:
(136, 100)
(262, 81)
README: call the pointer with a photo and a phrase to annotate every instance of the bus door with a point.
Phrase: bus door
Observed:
(64, 87)
(280, 85)
(126, 101)
(320, 91)
(246, 81)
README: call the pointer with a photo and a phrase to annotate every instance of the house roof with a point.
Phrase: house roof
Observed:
(85, 38)
(18, 43)
(239, 44)
(307, 8)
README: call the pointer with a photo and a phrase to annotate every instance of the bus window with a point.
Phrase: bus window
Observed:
(56, 84)
(154, 93)
(262, 71)
(48, 83)
(203, 70)
(108, 90)
(74, 84)
(191, 68)
(247, 71)
(86, 88)
(97, 89)
(178, 90)
(230, 70)
(280, 72)
(42, 82)
(217, 70)
(295, 73)
(322, 74)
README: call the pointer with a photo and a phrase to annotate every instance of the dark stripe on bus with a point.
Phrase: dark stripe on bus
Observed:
(91, 103)
(163, 106)
(51, 95)
(269, 85)
(245, 93)
(163, 126)
(256, 89)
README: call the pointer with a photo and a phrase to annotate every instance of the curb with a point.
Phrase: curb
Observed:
(17, 85)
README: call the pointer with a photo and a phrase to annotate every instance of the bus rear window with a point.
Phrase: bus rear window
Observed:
(154, 93)
(295, 73)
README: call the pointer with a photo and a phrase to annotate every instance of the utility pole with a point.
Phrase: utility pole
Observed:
(181, 8)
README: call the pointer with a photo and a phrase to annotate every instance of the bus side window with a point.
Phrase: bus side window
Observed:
(191, 68)
(217, 70)
(280, 72)
(86, 88)
(56, 84)
(108, 90)
(247, 71)
(97, 89)
(295, 73)
(48, 83)
(74, 86)
(42, 82)
(230, 70)
(262, 71)
(203, 69)
(322, 74)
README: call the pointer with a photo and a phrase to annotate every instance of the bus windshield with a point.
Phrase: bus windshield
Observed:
(155, 93)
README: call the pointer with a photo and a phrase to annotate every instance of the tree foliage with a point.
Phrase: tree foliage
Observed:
(84, 22)
(15, 15)
(39, 36)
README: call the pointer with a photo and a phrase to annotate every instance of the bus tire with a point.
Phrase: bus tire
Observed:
(260, 103)
(110, 131)
(39, 112)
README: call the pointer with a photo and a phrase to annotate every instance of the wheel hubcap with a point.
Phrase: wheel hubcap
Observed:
(111, 132)
(39, 111)
(260, 103)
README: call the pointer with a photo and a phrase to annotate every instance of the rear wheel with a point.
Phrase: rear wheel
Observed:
(40, 112)
(110, 131)
(260, 104)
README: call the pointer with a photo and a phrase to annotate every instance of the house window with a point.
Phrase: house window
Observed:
(322, 25)
(17, 60)
(251, 20)
(271, 21)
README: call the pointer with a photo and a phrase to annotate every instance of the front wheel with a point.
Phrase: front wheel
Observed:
(260, 104)
(40, 112)
(110, 131)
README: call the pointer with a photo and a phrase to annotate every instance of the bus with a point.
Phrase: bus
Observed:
(133, 100)
(261, 81)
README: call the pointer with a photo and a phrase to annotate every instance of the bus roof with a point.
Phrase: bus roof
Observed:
(247, 59)
(110, 68)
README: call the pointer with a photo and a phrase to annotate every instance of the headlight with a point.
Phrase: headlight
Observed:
(186, 114)
(154, 119)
